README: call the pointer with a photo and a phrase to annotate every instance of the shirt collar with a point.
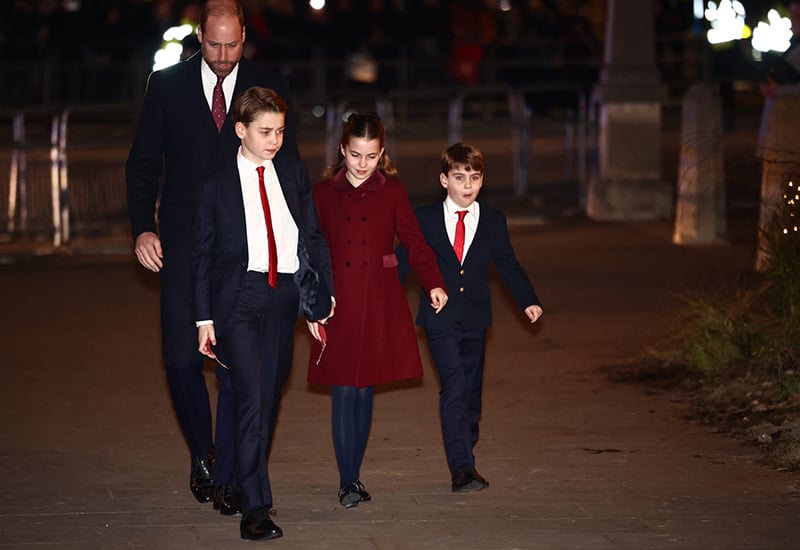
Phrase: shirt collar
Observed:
(247, 166)
(450, 207)
(210, 78)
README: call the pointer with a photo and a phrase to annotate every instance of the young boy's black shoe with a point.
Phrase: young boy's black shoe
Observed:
(468, 481)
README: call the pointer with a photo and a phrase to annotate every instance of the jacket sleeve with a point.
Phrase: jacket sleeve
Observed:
(315, 276)
(144, 165)
(421, 257)
(204, 238)
(510, 269)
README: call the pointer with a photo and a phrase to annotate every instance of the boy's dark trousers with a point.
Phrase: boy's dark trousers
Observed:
(258, 341)
(459, 355)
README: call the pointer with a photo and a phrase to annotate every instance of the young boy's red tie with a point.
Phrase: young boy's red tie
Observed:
(458, 243)
(272, 248)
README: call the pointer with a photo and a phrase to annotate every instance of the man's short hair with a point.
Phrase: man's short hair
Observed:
(221, 8)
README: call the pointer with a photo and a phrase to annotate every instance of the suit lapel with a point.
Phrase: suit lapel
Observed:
(288, 187)
(481, 234)
(233, 189)
(438, 234)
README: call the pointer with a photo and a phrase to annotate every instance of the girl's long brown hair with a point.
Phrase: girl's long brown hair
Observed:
(367, 127)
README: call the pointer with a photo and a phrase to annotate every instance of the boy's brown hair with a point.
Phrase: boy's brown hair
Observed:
(254, 101)
(461, 155)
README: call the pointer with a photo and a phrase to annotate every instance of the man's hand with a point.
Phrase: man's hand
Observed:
(438, 299)
(533, 313)
(148, 251)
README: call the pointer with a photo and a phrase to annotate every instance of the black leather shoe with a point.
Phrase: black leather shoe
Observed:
(465, 481)
(201, 478)
(362, 491)
(354, 494)
(349, 496)
(479, 477)
(225, 501)
(258, 525)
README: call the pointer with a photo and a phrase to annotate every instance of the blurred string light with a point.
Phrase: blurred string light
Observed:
(727, 22)
(792, 198)
(172, 47)
(504, 5)
(316, 4)
(775, 34)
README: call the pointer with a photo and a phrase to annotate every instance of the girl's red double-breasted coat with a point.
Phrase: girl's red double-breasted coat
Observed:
(371, 338)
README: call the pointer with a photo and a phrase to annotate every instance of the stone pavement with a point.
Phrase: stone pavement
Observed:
(91, 456)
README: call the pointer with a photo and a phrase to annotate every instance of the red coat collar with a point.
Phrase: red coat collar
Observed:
(373, 183)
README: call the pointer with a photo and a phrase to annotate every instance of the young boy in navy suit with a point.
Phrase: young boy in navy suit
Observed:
(259, 258)
(466, 238)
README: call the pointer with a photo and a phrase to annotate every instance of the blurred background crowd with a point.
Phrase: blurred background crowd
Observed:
(68, 52)
(365, 41)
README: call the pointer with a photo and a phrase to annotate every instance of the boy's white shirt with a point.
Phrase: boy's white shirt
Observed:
(450, 210)
(286, 232)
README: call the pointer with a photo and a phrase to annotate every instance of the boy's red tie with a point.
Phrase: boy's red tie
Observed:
(272, 248)
(218, 110)
(458, 243)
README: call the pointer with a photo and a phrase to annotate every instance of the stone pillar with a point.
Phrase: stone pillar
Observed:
(779, 150)
(629, 185)
(700, 209)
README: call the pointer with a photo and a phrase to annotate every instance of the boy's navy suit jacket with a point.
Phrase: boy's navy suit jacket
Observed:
(220, 255)
(469, 304)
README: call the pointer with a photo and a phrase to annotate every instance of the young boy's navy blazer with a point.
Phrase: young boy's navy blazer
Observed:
(220, 255)
(469, 304)
(457, 335)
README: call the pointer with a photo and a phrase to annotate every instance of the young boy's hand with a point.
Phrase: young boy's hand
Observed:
(438, 299)
(533, 313)
(206, 338)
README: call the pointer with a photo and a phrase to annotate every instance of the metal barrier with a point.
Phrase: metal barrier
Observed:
(87, 188)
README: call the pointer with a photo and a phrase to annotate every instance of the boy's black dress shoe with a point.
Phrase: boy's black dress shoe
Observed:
(468, 481)
(201, 478)
(225, 501)
(479, 477)
(257, 525)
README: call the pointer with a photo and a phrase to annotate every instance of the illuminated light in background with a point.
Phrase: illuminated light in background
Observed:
(318, 111)
(774, 34)
(177, 33)
(170, 52)
(316, 4)
(167, 56)
(504, 5)
(699, 8)
(727, 22)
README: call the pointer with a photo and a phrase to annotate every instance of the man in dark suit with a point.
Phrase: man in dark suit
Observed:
(466, 238)
(253, 272)
(183, 128)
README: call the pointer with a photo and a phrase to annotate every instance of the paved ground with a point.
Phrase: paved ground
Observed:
(90, 455)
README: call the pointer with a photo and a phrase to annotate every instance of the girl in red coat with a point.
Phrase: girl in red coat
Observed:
(371, 339)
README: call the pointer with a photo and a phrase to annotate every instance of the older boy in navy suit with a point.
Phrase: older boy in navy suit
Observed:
(466, 238)
(259, 257)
